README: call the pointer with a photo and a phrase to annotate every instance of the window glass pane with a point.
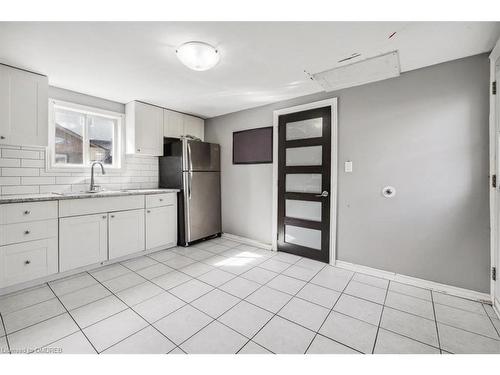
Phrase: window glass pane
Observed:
(101, 139)
(303, 236)
(304, 129)
(69, 129)
(303, 183)
(303, 155)
(307, 210)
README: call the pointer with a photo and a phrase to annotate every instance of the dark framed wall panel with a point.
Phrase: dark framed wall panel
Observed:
(253, 146)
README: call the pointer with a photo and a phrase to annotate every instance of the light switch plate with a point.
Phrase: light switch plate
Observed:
(348, 166)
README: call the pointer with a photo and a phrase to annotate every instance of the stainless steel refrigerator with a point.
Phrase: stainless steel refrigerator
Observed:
(194, 167)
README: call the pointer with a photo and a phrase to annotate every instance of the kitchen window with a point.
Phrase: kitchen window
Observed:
(80, 135)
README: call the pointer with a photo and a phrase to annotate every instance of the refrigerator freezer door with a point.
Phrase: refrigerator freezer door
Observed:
(201, 156)
(202, 208)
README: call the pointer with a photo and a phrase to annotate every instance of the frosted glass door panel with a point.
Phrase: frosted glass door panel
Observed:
(303, 156)
(303, 183)
(312, 128)
(303, 236)
(307, 210)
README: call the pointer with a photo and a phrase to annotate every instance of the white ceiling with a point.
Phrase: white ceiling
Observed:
(260, 62)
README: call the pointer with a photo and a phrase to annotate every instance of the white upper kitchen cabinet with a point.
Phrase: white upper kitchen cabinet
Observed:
(23, 107)
(126, 233)
(194, 126)
(144, 132)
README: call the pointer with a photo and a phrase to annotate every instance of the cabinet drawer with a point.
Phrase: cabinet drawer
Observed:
(30, 211)
(30, 231)
(158, 200)
(27, 261)
(86, 206)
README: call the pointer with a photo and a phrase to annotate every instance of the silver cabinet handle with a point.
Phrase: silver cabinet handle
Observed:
(27, 212)
(27, 232)
(104, 216)
(112, 216)
(324, 194)
(161, 199)
(2, 137)
(148, 211)
(26, 262)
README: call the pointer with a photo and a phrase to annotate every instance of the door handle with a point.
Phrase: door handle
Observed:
(324, 194)
(189, 184)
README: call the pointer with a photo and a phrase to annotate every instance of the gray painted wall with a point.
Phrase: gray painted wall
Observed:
(426, 134)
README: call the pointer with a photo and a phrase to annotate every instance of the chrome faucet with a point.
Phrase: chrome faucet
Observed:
(93, 187)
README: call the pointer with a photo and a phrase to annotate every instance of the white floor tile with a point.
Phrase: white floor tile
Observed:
(139, 263)
(137, 294)
(410, 290)
(155, 270)
(171, 279)
(177, 351)
(215, 303)
(191, 290)
(333, 278)
(84, 296)
(274, 265)
(371, 280)
(465, 320)
(75, 343)
(2, 330)
(125, 281)
(109, 272)
(392, 343)
(319, 295)
(259, 275)
(240, 287)
(496, 323)
(182, 324)
(459, 303)
(179, 261)
(101, 309)
(349, 331)
(114, 329)
(42, 334)
(323, 345)
(412, 305)
(253, 348)
(458, 341)
(215, 338)
(491, 312)
(286, 284)
(196, 269)
(146, 341)
(33, 314)
(163, 255)
(311, 264)
(216, 277)
(4, 348)
(196, 254)
(413, 326)
(24, 298)
(365, 291)
(72, 283)
(286, 257)
(217, 249)
(158, 307)
(246, 318)
(283, 337)
(301, 273)
(359, 308)
(269, 299)
(304, 313)
(215, 261)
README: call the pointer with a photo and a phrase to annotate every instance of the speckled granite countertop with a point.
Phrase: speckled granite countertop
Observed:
(80, 195)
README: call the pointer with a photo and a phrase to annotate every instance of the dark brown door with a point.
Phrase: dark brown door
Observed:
(304, 140)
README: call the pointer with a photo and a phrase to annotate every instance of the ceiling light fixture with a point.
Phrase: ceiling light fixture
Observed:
(198, 55)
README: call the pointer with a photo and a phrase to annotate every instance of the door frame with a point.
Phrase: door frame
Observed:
(332, 103)
(493, 170)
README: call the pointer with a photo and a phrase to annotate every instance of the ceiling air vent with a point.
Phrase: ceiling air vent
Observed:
(359, 73)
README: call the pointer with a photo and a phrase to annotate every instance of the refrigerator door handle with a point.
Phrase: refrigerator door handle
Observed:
(190, 176)
(189, 156)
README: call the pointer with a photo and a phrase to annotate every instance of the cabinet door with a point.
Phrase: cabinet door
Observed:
(23, 107)
(161, 227)
(126, 233)
(194, 126)
(148, 129)
(82, 241)
(173, 126)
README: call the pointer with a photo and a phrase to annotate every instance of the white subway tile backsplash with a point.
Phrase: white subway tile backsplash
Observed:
(23, 172)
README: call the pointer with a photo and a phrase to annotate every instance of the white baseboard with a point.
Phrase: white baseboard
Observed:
(438, 287)
(248, 241)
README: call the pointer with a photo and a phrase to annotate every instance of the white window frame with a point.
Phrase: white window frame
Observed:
(118, 146)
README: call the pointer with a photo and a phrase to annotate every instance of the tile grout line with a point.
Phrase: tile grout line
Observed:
(5, 330)
(380, 319)
(435, 321)
(71, 316)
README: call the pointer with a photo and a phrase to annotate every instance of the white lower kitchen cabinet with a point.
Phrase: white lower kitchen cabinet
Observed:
(126, 233)
(161, 227)
(83, 241)
(27, 261)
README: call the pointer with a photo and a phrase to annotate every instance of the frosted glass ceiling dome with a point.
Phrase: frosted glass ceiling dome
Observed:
(198, 55)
